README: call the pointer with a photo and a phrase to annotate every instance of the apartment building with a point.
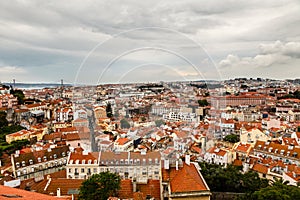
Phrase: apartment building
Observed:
(136, 166)
(38, 162)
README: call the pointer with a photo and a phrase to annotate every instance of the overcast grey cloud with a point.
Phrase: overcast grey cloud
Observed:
(45, 41)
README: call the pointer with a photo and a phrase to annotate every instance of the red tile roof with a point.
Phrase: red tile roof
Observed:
(260, 168)
(122, 141)
(185, 179)
(18, 194)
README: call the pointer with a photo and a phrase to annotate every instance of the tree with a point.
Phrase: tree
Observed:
(3, 120)
(202, 102)
(19, 94)
(159, 122)
(232, 138)
(100, 186)
(109, 110)
(278, 191)
(124, 123)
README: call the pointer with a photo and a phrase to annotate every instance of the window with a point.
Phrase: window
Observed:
(55, 156)
(23, 164)
(39, 159)
(95, 170)
(45, 158)
(70, 170)
(83, 162)
(82, 170)
(95, 161)
(17, 165)
(90, 161)
(71, 161)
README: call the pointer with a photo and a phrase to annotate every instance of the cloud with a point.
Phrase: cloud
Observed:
(272, 58)
(4, 70)
(55, 36)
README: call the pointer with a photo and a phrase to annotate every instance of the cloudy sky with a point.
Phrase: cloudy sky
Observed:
(97, 41)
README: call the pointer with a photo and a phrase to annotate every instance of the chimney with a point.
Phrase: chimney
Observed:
(58, 192)
(166, 164)
(176, 165)
(134, 184)
(187, 159)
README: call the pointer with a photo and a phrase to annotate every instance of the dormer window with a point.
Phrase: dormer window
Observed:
(126, 162)
(95, 161)
(83, 162)
(150, 161)
(156, 161)
(89, 161)
(63, 154)
(30, 161)
(122, 162)
(39, 159)
(77, 162)
(17, 165)
(55, 156)
(71, 162)
(23, 164)
(45, 158)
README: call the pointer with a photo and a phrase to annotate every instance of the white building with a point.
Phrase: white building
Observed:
(129, 165)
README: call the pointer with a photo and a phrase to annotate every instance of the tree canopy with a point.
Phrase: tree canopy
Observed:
(124, 123)
(3, 120)
(109, 110)
(279, 190)
(159, 122)
(232, 138)
(202, 102)
(100, 186)
(19, 94)
(230, 179)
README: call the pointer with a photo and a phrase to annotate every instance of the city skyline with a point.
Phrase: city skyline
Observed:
(103, 42)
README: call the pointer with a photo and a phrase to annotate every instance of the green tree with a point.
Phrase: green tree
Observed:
(202, 102)
(232, 138)
(3, 120)
(159, 122)
(278, 191)
(124, 123)
(109, 110)
(100, 186)
(19, 94)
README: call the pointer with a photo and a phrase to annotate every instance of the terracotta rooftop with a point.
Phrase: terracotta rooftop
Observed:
(243, 148)
(260, 168)
(17, 194)
(122, 141)
(185, 179)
